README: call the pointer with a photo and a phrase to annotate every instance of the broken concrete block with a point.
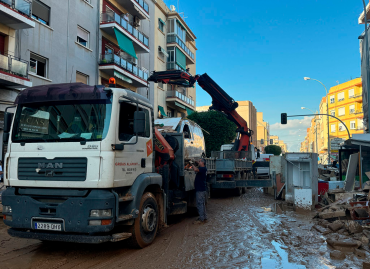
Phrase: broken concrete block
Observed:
(364, 240)
(360, 253)
(335, 214)
(336, 225)
(347, 244)
(322, 230)
(353, 227)
(366, 233)
(366, 265)
(338, 255)
(324, 223)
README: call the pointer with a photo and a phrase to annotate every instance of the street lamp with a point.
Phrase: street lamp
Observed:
(327, 111)
(315, 127)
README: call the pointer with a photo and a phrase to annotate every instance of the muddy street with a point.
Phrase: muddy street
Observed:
(250, 231)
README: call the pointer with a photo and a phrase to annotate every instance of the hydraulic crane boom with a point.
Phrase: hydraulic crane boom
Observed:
(221, 101)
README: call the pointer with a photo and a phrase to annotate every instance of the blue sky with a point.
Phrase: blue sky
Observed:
(261, 50)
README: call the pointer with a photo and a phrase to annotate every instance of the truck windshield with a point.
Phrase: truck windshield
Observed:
(62, 121)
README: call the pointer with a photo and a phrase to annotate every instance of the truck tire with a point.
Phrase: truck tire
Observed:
(145, 226)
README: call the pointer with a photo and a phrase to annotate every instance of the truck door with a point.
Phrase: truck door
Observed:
(134, 159)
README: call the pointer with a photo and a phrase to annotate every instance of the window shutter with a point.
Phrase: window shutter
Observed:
(82, 33)
(40, 10)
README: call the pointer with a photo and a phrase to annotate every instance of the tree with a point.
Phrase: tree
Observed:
(221, 130)
(273, 149)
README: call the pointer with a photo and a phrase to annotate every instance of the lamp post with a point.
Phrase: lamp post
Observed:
(327, 112)
(315, 127)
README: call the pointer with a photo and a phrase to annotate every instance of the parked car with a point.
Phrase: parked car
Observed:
(262, 165)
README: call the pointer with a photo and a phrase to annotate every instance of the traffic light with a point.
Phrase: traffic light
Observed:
(284, 118)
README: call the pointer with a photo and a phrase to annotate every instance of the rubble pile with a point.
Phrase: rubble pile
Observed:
(328, 173)
(346, 226)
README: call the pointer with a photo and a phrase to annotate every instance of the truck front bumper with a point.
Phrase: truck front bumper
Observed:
(73, 213)
(68, 237)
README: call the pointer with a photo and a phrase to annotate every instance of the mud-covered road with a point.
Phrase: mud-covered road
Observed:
(243, 232)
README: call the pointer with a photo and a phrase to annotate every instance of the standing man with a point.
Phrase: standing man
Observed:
(200, 185)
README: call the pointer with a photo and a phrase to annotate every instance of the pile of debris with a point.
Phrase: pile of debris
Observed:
(346, 226)
(328, 173)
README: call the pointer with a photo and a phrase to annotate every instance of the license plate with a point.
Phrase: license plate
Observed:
(48, 226)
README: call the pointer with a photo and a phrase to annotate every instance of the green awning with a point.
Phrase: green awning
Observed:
(122, 77)
(180, 105)
(162, 21)
(125, 43)
(163, 113)
(182, 25)
(180, 59)
(189, 111)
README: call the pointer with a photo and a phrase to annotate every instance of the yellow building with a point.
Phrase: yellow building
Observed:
(345, 102)
(248, 112)
(175, 49)
(263, 132)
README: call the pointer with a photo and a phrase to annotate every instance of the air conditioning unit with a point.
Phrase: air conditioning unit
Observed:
(136, 21)
(351, 111)
(173, 8)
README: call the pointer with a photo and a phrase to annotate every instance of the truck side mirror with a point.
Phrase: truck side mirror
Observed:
(8, 117)
(258, 153)
(139, 122)
(284, 118)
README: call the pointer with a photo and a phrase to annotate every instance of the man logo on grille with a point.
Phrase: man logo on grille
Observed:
(50, 165)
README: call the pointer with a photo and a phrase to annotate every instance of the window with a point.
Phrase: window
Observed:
(171, 54)
(126, 122)
(332, 99)
(160, 25)
(41, 12)
(81, 77)
(332, 112)
(171, 28)
(332, 127)
(83, 36)
(340, 96)
(341, 127)
(341, 111)
(351, 109)
(360, 124)
(38, 65)
(351, 93)
(353, 124)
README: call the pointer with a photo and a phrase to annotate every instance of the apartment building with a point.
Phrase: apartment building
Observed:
(345, 102)
(15, 17)
(263, 132)
(276, 141)
(175, 49)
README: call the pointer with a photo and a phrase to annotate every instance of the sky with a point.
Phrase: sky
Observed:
(261, 50)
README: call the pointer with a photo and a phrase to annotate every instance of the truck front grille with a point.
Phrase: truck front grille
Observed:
(58, 169)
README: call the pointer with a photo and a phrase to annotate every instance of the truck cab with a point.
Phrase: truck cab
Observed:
(79, 166)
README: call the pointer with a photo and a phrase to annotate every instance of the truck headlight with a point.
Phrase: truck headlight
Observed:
(7, 209)
(101, 213)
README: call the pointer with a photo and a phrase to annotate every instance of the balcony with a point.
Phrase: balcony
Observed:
(16, 14)
(174, 39)
(14, 72)
(131, 73)
(177, 97)
(138, 8)
(109, 20)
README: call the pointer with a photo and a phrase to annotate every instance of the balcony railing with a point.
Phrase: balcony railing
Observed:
(123, 63)
(174, 66)
(111, 16)
(182, 97)
(143, 4)
(13, 65)
(173, 38)
(22, 6)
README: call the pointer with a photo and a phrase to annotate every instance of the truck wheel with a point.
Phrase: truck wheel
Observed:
(145, 227)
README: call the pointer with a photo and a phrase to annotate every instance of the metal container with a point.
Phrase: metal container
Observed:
(301, 172)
